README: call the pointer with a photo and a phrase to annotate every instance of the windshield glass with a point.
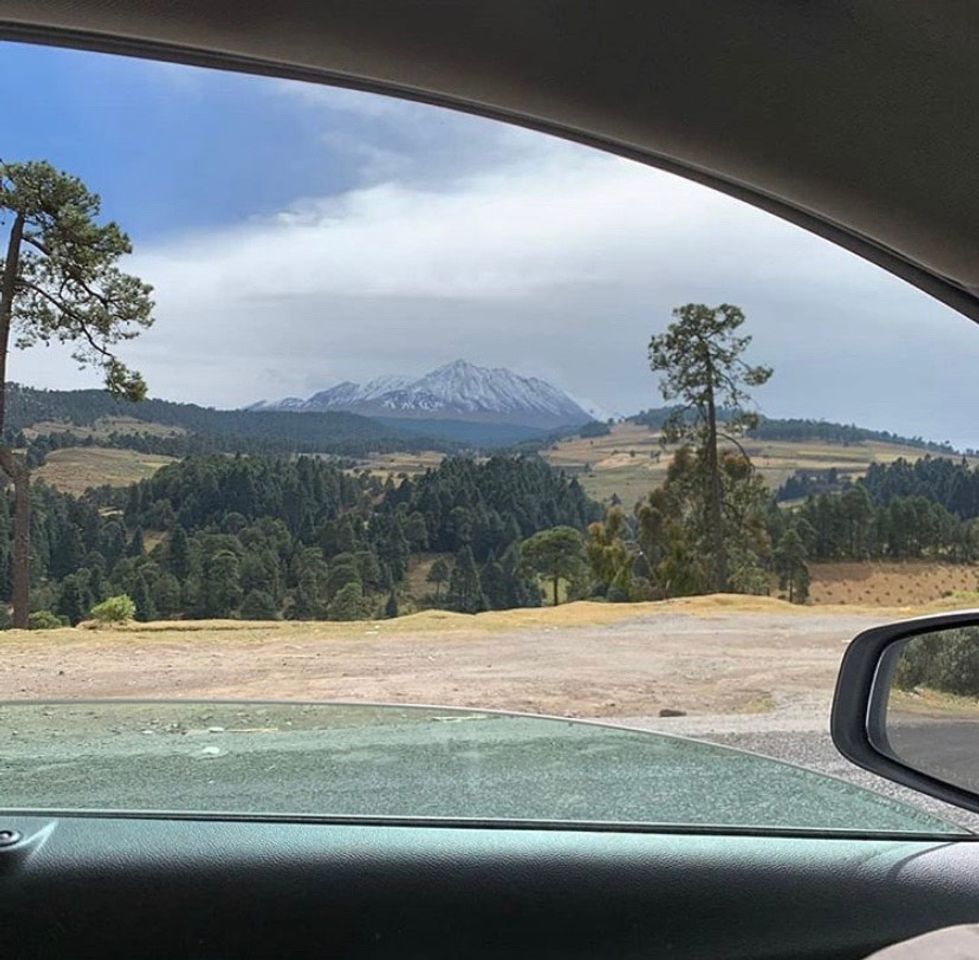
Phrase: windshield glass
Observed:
(317, 395)
(391, 761)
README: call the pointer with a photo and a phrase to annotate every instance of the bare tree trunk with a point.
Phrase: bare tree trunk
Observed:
(714, 513)
(13, 466)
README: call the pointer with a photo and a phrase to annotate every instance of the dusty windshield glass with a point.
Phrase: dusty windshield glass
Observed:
(316, 395)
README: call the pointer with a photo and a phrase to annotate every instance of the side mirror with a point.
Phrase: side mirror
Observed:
(907, 705)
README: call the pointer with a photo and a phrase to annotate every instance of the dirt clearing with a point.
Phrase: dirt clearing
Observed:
(886, 584)
(711, 655)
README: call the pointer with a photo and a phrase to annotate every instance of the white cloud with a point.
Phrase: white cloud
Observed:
(573, 219)
(558, 261)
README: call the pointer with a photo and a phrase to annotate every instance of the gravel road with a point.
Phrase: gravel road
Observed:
(801, 736)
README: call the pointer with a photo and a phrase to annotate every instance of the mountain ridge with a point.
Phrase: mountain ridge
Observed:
(459, 390)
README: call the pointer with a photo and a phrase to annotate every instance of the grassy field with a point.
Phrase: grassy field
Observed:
(75, 469)
(103, 427)
(391, 464)
(630, 461)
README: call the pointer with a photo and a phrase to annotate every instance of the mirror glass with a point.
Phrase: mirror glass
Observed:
(925, 711)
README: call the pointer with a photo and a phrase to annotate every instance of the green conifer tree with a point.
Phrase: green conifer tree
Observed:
(465, 594)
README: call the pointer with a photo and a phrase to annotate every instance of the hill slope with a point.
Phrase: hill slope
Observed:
(206, 429)
(629, 461)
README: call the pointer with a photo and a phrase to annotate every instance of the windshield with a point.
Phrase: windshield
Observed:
(391, 761)
(316, 400)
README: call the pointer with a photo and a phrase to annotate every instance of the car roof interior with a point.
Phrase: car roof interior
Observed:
(855, 119)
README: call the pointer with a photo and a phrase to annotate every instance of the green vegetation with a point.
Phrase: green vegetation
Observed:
(790, 565)
(700, 357)
(557, 555)
(60, 283)
(116, 609)
(876, 519)
(609, 557)
(438, 574)
(267, 536)
(947, 660)
(465, 594)
(43, 620)
(264, 538)
(196, 430)
(595, 428)
(675, 533)
(799, 430)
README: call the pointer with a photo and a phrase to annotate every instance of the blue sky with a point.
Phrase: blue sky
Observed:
(170, 148)
(297, 236)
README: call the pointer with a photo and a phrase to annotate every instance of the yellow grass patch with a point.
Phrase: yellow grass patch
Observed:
(386, 465)
(75, 469)
(579, 613)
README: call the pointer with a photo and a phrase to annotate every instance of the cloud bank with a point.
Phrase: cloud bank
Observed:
(467, 238)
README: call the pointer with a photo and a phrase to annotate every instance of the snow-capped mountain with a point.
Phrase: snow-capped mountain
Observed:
(456, 391)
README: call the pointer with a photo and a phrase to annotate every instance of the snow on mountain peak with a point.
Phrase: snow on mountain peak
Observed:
(458, 390)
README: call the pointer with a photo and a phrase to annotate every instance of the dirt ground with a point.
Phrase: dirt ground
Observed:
(888, 583)
(710, 655)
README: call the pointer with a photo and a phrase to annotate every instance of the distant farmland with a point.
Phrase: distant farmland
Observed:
(75, 469)
(630, 461)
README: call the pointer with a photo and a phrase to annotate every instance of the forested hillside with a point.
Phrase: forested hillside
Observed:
(262, 538)
(903, 510)
(207, 430)
(952, 483)
(800, 430)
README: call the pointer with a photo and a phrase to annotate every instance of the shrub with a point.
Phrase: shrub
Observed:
(43, 620)
(114, 610)
(946, 661)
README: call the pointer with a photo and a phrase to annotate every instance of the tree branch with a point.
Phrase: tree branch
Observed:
(88, 336)
(34, 242)
(744, 453)
(71, 314)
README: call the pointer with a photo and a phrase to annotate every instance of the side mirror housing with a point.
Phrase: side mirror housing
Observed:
(906, 705)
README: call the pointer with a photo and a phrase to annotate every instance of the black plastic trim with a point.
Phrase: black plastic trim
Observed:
(858, 707)
(460, 823)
